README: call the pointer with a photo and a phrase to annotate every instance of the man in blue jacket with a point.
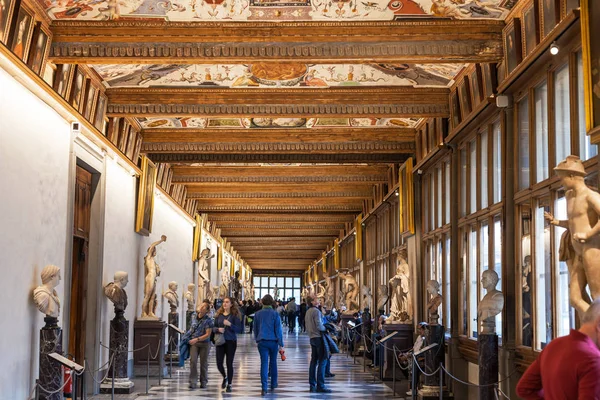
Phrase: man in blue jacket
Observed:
(269, 338)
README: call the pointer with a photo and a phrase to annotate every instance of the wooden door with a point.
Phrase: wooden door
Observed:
(79, 264)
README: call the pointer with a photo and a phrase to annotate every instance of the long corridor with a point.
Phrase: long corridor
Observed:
(350, 382)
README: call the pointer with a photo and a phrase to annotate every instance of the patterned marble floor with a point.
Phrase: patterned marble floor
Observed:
(350, 381)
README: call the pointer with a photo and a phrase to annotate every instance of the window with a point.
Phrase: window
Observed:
(473, 175)
(288, 286)
(523, 112)
(543, 276)
(446, 288)
(586, 149)
(497, 257)
(496, 162)
(473, 283)
(447, 192)
(541, 132)
(439, 196)
(526, 276)
(463, 182)
(483, 185)
(566, 314)
(562, 114)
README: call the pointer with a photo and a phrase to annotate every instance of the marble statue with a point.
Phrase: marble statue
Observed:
(236, 286)
(367, 297)
(212, 292)
(224, 288)
(151, 273)
(189, 297)
(252, 292)
(401, 299)
(203, 273)
(491, 304)
(351, 291)
(276, 292)
(171, 296)
(580, 244)
(321, 293)
(382, 297)
(329, 293)
(304, 293)
(45, 296)
(115, 292)
(433, 305)
(247, 289)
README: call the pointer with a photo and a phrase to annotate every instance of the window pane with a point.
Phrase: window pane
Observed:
(297, 283)
(464, 261)
(484, 250)
(463, 182)
(473, 176)
(256, 282)
(562, 114)
(524, 143)
(439, 196)
(447, 193)
(566, 315)
(526, 288)
(433, 195)
(438, 266)
(446, 288)
(541, 132)
(586, 149)
(498, 264)
(280, 282)
(543, 276)
(296, 294)
(484, 169)
(473, 284)
(265, 281)
(288, 282)
(497, 162)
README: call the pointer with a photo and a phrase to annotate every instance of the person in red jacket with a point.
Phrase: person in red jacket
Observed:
(569, 367)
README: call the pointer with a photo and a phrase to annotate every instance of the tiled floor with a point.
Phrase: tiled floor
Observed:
(350, 381)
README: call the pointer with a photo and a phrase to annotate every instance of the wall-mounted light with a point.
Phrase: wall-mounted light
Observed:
(354, 232)
(554, 49)
(396, 193)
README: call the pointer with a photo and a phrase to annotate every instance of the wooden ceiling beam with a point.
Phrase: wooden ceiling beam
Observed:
(300, 201)
(269, 187)
(248, 240)
(180, 173)
(323, 207)
(220, 218)
(232, 233)
(299, 156)
(405, 41)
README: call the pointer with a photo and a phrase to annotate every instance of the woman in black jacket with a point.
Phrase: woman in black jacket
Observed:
(228, 323)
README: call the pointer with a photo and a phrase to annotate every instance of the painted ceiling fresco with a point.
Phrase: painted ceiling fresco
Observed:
(277, 75)
(265, 123)
(275, 10)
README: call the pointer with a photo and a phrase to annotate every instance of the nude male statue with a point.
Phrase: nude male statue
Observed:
(583, 224)
(152, 272)
(351, 290)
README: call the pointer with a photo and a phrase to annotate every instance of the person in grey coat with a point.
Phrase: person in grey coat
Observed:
(318, 357)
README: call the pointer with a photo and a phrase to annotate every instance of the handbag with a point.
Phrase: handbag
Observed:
(219, 339)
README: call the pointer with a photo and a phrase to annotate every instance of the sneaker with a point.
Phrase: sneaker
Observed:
(203, 385)
(224, 383)
(192, 386)
(263, 392)
(228, 389)
(323, 390)
(329, 375)
(313, 389)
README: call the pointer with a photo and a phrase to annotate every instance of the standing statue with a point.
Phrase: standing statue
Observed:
(224, 288)
(329, 293)
(236, 286)
(580, 244)
(44, 296)
(491, 304)
(351, 290)
(276, 293)
(252, 292)
(367, 297)
(189, 297)
(433, 305)
(115, 292)
(151, 272)
(401, 300)
(382, 298)
(171, 296)
(304, 293)
(321, 293)
(203, 273)
(247, 289)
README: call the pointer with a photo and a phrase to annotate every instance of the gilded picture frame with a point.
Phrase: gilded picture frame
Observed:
(513, 54)
(100, 112)
(590, 11)
(77, 89)
(549, 16)
(530, 32)
(406, 198)
(20, 40)
(38, 53)
(197, 234)
(145, 204)
(475, 80)
(465, 98)
(7, 9)
(455, 109)
(89, 102)
(62, 79)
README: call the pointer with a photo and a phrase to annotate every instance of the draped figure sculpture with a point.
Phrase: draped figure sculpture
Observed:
(351, 289)
(44, 296)
(224, 288)
(151, 272)
(203, 274)
(401, 298)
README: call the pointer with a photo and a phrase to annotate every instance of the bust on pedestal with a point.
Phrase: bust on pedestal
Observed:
(490, 306)
(119, 337)
(47, 301)
(173, 299)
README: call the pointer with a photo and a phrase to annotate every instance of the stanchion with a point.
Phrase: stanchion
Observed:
(441, 382)
(37, 389)
(148, 370)
(394, 377)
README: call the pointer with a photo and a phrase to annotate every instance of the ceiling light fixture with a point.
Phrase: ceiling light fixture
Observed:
(554, 49)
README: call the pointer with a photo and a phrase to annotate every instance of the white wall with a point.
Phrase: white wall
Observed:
(34, 176)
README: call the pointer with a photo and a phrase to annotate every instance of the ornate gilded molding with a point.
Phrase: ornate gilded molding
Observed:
(288, 179)
(408, 147)
(193, 195)
(280, 158)
(280, 208)
(250, 218)
(246, 226)
(297, 232)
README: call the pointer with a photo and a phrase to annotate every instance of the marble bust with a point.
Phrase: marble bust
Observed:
(115, 292)
(433, 288)
(491, 304)
(44, 296)
(189, 297)
(171, 296)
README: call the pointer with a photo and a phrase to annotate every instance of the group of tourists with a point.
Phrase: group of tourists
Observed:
(266, 325)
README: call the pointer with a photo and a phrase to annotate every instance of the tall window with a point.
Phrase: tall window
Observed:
(543, 275)
(497, 258)
(562, 114)
(447, 192)
(523, 111)
(473, 283)
(484, 168)
(289, 286)
(566, 314)
(463, 182)
(541, 132)
(473, 175)
(497, 162)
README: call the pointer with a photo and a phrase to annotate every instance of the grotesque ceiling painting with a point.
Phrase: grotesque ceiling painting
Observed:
(275, 10)
(277, 75)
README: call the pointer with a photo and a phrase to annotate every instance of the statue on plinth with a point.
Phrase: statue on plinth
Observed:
(224, 288)
(329, 293)
(351, 291)
(189, 297)
(236, 286)
(401, 299)
(382, 298)
(45, 296)
(433, 305)
(276, 293)
(115, 292)
(367, 297)
(203, 274)
(171, 296)
(151, 272)
(580, 243)
(491, 304)
(252, 291)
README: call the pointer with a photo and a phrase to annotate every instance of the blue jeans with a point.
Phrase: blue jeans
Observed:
(316, 372)
(328, 366)
(268, 350)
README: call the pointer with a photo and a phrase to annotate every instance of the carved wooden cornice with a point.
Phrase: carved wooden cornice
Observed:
(281, 233)
(244, 226)
(280, 158)
(276, 195)
(281, 218)
(280, 208)
(282, 179)
(426, 40)
(262, 148)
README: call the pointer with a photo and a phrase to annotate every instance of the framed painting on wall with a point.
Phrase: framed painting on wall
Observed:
(21, 38)
(465, 98)
(39, 49)
(568, 6)
(529, 30)
(455, 109)
(145, 204)
(475, 80)
(549, 16)
(6, 11)
(62, 79)
(77, 90)
(90, 101)
(100, 112)
(488, 76)
(512, 45)
(590, 15)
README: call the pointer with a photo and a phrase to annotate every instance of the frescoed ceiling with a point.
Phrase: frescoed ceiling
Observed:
(277, 10)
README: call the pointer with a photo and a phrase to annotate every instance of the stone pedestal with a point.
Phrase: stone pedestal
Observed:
(403, 340)
(188, 320)
(488, 364)
(173, 338)
(50, 371)
(119, 346)
(433, 358)
(150, 332)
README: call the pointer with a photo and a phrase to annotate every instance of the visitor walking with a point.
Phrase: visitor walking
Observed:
(290, 308)
(302, 315)
(200, 345)
(318, 357)
(269, 338)
(228, 324)
(569, 367)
